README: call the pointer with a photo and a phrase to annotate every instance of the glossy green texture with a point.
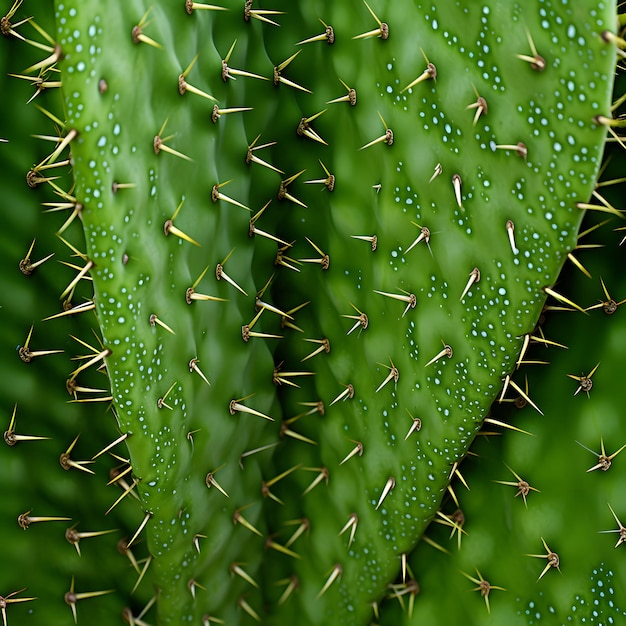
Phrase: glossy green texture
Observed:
(179, 424)
(577, 489)
(451, 396)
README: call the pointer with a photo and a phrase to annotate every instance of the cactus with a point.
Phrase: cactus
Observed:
(573, 465)
(400, 215)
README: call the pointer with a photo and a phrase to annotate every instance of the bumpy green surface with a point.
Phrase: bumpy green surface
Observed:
(175, 441)
(572, 510)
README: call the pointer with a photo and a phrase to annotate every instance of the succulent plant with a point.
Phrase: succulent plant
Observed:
(559, 479)
(318, 238)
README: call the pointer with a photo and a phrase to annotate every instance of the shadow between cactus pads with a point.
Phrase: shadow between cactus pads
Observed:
(313, 264)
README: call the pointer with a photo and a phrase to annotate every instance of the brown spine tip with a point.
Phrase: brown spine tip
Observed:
(64, 461)
(70, 598)
(136, 33)
(384, 30)
(606, 36)
(32, 179)
(122, 546)
(189, 6)
(282, 190)
(520, 402)
(9, 438)
(602, 120)
(539, 63)
(5, 26)
(24, 520)
(182, 84)
(25, 354)
(70, 386)
(156, 144)
(26, 267)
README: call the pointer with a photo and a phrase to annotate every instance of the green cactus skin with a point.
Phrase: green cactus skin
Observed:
(441, 440)
(189, 452)
(572, 510)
